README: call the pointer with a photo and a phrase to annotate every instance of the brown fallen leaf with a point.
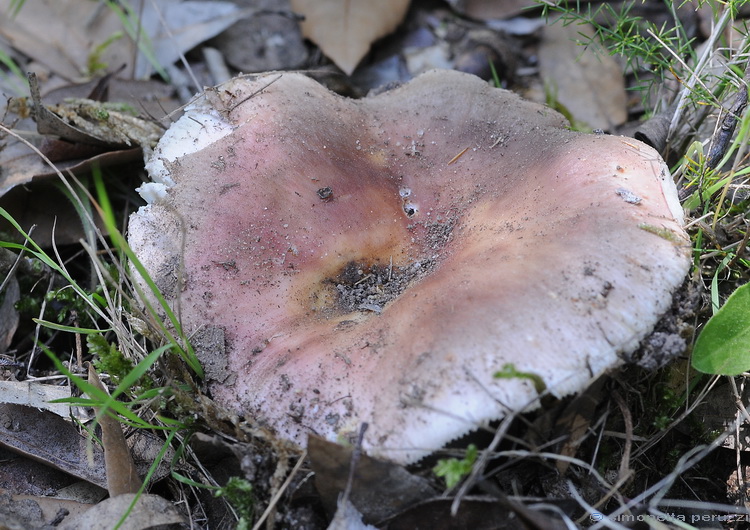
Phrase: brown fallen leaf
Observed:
(47, 508)
(9, 295)
(71, 36)
(91, 122)
(575, 420)
(48, 482)
(21, 165)
(585, 81)
(37, 395)
(48, 438)
(348, 518)
(43, 205)
(20, 513)
(474, 513)
(378, 490)
(488, 9)
(99, 135)
(122, 475)
(90, 134)
(345, 29)
(148, 512)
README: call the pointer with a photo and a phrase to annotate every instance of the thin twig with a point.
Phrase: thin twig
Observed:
(741, 150)
(459, 155)
(356, 454)
(740, 248)
(481, 463)
(625, 471)
(183, 59)
(261, 89)
(738, 445)
(688, 86)
(689, 409)
(16, 262)
(275, 499)
(678, 59)
(723, 136)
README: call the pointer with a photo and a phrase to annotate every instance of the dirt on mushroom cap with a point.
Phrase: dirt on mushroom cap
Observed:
(395, 298)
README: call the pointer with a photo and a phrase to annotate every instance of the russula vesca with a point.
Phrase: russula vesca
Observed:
(379, 260)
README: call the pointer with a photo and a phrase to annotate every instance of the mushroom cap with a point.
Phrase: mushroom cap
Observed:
(357, 270)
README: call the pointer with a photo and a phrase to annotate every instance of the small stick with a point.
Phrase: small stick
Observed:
(274, 501)
(459, 155)
(256, 92)
(723, 137)
(356, 453)
(363, 279)
(740, 248)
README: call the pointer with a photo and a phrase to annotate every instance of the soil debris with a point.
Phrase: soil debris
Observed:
(368, 288)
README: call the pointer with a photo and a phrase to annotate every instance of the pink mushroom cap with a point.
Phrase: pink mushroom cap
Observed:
(342, 264)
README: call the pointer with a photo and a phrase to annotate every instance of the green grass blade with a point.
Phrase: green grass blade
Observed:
(104, 400)
(184, 348)
(69, 329)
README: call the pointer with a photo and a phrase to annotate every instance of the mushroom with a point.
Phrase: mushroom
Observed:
(381, 260)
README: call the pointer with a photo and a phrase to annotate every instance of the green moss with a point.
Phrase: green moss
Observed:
(110, 360)
(453, 470)
(239, 493)
(663, 233)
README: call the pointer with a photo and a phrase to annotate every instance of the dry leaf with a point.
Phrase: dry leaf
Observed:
(574, 422)
(35, 395)
(474, 513)
(67, 36)
(47, 507)
(120, 135)
(270, 40)
(379, 489)
(19, 513)
(150, 511)
(19, 164)
(348, 518)
(48, 438)
(43, 204)
(585, 81)
(488, 9)
(8, 314)
(48, 481)
(38, 494)
(345, 29)
(122, 476)
(92, 122)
